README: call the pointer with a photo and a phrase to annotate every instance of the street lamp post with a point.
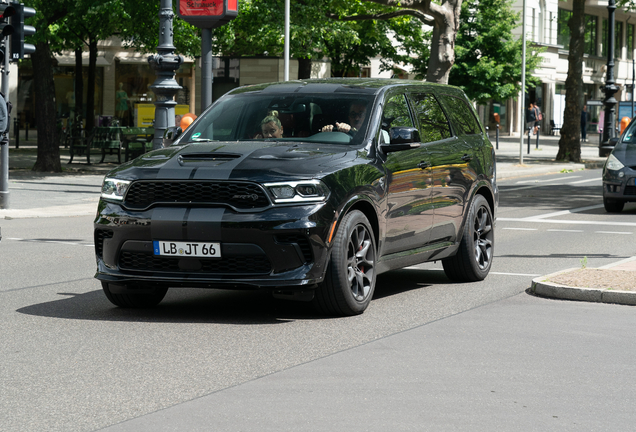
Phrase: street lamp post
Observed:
(609, 124)
(165, 63)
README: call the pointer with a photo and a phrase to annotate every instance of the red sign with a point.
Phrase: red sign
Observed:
(208, 13)
(200, 8)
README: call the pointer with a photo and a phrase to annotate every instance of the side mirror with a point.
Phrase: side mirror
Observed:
(170, 135)
(402, 138)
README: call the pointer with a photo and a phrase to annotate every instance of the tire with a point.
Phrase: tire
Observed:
(135, 300)
(474, 256)
(350, 279)
(613, 206)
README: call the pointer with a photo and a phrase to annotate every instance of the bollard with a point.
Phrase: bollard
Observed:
(538, 133)
(497, 136)
(529, 138)
(26, 131)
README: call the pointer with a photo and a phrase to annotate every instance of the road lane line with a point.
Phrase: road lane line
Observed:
(613, 232)
(564, 212)
(564, 230)
(587, 181)
(522, 229)
(546, 181)
(572, 222)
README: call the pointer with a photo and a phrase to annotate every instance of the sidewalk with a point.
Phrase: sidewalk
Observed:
(608, 284)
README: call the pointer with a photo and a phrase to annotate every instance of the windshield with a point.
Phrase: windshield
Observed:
(333, 118)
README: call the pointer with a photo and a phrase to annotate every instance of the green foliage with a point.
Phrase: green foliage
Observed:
(488, 57)
(349, 44)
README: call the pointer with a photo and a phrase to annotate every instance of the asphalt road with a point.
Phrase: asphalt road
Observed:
(73, 362)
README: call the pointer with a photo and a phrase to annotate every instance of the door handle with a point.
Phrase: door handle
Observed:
(424, 165)
(467, 158)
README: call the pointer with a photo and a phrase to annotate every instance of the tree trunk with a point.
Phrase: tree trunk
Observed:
(79, 84)
(443, 42)
(90, 90)
(48, 157)
(304, 68)
(570, 141)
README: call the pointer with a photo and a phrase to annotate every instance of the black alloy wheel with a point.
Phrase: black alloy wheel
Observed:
(350, 280)
(474, 256)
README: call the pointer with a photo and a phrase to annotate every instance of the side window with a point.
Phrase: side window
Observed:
(396, 113)
(462, 116)
(433, 122)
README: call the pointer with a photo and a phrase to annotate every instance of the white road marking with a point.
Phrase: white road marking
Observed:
(522, 229)
(587, 181)
(571, 222)
(560, 230)
(612, 232)
(564, 212)
(547, 181)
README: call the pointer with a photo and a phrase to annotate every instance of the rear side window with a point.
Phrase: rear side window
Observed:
(461, 115)
(433, 122)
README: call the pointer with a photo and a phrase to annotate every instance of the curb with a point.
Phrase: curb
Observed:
(541, 286)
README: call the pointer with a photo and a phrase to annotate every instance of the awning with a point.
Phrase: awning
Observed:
(68, 59)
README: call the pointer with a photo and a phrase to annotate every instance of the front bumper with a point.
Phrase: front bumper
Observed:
(620, 184)
(278, 247)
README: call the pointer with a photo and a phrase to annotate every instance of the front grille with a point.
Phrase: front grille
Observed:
(245, 264)
(143, 194)
(100, 235)
(630, 190)
(302, 242)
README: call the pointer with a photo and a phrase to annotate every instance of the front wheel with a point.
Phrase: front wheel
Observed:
(474, 256)
(613, 206)
(350, 280)
(134, 300)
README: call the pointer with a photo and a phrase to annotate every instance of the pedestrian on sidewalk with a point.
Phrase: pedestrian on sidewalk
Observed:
(584, 119)
(531, 118)
(538, 116)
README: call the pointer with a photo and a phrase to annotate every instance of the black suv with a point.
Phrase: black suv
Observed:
(307, 188)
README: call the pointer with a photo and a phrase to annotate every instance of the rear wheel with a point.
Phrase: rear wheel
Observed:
(146, 299)
(474, 256)
(350, 280)
(613, 206)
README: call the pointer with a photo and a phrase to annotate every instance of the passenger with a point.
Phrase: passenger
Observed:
(357, 114)
(271, 127)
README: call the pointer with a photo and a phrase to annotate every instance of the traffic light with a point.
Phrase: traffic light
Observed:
(8, 11)
(18, 47)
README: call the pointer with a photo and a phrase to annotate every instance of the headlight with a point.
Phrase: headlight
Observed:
(298, 192)
(613, 163)
(114, 189)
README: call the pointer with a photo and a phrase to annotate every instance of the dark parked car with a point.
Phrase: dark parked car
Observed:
(619, 172)
(307, 188)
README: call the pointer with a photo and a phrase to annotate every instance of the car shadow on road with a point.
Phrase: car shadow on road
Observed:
(184, 305)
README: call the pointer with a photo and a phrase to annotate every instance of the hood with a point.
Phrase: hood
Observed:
(259, 161)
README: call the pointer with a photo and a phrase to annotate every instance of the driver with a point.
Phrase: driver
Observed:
(271, 127)
(357, 114)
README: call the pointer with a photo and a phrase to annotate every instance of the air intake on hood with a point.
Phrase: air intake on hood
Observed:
(186, 157)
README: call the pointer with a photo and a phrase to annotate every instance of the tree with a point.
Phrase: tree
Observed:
(49, 14)
(72, 24)
(488, 56)
(569, 143)
(443, 17)
(349, 43)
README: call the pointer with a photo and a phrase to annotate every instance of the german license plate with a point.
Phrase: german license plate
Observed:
(187, 249)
